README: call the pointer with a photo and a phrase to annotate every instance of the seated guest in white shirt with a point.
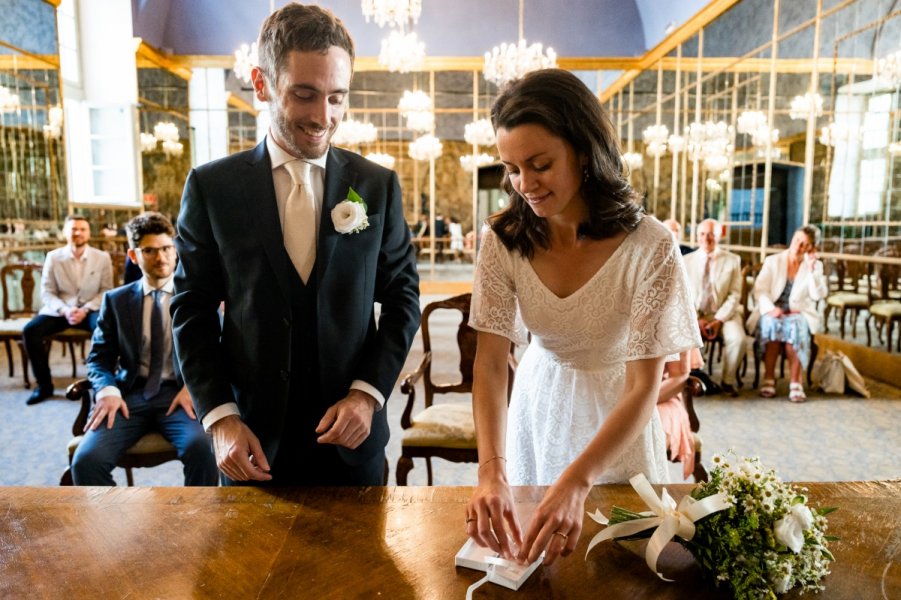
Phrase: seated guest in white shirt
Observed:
(133, 368)
(714, 278)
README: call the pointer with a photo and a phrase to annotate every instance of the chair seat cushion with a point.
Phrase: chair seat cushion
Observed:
(887, 310)
(13, 326)
(848, 300)
(150, 443)
(442, 425)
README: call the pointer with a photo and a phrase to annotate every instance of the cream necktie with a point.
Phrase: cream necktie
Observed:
(299, 228)
(708, 300)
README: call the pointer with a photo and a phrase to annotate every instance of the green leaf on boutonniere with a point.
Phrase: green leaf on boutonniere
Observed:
(353, 196)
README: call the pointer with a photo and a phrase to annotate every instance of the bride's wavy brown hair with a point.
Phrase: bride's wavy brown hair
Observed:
(559, 101)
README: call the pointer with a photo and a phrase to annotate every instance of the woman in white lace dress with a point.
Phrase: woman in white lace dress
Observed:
(601, 289)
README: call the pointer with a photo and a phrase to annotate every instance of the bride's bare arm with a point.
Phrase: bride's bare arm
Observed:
(490, 516)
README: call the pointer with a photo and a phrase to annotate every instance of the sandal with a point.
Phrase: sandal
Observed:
(768, 389)
(796, 392)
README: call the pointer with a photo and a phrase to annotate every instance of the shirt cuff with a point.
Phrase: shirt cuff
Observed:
(219, 413)
(359, 384)
(109, 390)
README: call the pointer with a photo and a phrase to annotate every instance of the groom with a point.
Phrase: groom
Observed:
(292, 384)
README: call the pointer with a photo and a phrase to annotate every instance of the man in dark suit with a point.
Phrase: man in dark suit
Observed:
(132, 369)
(299, 240)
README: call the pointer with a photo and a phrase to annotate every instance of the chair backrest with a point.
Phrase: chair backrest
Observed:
(466, 345)
(19, 282)
(748, 277)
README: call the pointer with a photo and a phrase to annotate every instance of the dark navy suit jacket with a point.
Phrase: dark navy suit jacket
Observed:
(116, 346)
(231, 248)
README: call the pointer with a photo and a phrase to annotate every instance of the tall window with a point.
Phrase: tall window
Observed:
(67, 26)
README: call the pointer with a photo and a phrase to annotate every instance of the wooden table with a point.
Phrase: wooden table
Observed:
(362, 543)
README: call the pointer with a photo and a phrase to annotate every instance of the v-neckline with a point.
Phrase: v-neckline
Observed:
(588, 281)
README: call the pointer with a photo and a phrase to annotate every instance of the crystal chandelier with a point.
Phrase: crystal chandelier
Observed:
(53, 128)
(479, 133)
(713, 186)
(655, 138)
(633, 160)
(402, 52)
(803, 106)
(426, 147)
(511, 61)
(395, 13)
(416, 108)
(246, 58)
(471, 162)
(167, 132)
(676, 143)
(8, 100)
(353, 133)
(754, 123)
(148, 142)
(380, 158)
(711, 143)
(888, 69)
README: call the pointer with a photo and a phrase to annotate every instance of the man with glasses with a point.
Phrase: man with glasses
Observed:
(132, 367)
(72, 283)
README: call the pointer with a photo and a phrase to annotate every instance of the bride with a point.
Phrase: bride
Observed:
(602, 290)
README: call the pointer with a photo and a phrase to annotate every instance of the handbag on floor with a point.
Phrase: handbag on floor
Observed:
(834, 372)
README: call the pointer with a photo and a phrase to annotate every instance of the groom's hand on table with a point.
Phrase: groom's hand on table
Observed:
(347, 422)
(238, 451)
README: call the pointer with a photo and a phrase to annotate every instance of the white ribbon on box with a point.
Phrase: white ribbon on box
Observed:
(671, 520)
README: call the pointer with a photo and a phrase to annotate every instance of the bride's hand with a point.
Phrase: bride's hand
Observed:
(490, 515)
(557, 522)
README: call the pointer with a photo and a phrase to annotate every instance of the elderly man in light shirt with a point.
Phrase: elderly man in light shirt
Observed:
(714, 276)
(72, 284)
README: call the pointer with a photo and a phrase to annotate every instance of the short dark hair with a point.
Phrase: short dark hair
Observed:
(561, 103)
(305, 28)
(76, 217)
(148, 223)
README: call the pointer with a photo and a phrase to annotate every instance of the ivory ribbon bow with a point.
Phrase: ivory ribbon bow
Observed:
(669, 519)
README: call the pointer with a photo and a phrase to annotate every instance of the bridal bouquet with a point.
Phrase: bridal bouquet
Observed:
(745, 527)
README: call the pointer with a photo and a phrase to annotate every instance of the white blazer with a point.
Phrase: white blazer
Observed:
(60, 284)
(808, 289)
(726, 274)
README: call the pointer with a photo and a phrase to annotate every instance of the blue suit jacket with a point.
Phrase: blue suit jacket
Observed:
(116, 346)
(231, 248)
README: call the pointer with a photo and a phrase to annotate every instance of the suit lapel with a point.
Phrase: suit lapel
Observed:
(262, 210)
(134, 314)
(338, 179)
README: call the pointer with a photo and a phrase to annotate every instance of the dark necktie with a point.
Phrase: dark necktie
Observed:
(155, 373)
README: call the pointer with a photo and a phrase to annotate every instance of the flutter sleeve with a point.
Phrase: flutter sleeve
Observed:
(494, 307)
(662, 319)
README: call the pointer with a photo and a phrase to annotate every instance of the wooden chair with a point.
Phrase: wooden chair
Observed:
(443, 430)
(151, 450)
(847, 297)
(20, 306)
(694, 388)
(885, 311)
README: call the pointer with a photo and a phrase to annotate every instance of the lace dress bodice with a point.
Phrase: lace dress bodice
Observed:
(635, 306)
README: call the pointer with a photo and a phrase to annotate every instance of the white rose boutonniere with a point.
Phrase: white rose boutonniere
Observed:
(350, 215)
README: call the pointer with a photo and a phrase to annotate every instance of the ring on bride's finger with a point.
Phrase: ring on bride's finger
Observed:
(470, 520)
(561, 534)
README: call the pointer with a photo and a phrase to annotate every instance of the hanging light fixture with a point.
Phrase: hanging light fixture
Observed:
(8, 100)
(655, 138)
(470, 162)
(402, 52)
(246, 58)
(511, 61)
(167, 132)
(416, 108)
(888, 69)
(380, 158)
(426, 147)
(54, 127)
(676, 143)
(353, 133)
(479, 133)
(711, 143)
(148, 142)
(803, 106)
(754, 123)
(395, 13)
(633, 160)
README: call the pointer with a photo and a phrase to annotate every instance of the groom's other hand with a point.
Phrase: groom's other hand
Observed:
(347, 422)
(238, 451)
